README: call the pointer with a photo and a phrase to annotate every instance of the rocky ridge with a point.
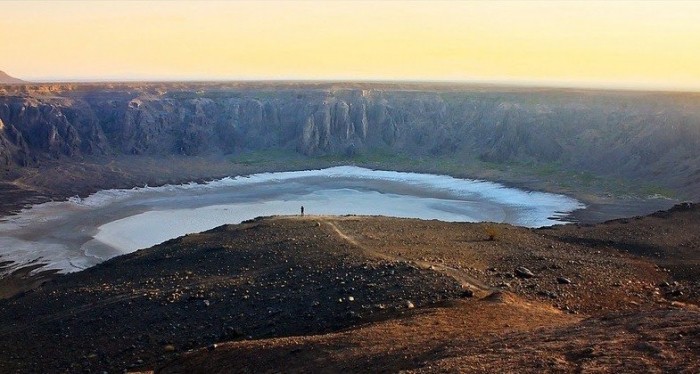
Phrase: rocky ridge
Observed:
(650, 137)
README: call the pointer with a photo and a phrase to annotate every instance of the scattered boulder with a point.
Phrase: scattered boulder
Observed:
(231, 333)
(523, 272)
(549, 294)
(563, 280)
(504, 285)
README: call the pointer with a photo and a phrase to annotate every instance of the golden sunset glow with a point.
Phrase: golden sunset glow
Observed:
(619, 44)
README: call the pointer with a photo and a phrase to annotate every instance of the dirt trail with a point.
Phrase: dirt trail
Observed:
(278, 289)
(465, 280)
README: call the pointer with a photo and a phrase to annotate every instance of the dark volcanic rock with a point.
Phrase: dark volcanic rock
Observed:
(261, 279)
(523, 272)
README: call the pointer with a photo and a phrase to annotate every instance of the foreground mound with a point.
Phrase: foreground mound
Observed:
(261, 279)
(375, 294)
(474, 337)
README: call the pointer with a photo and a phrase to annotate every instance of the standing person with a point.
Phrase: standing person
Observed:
(302, 210)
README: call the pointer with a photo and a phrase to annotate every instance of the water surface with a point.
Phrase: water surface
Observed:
(79, 233)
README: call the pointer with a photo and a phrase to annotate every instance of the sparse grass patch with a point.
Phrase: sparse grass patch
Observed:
(492, 232)
(265, 156)
(651, 190)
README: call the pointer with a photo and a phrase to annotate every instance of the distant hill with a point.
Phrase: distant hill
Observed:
(6, 79)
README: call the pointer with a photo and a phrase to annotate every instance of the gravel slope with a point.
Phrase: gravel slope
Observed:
(426, 295)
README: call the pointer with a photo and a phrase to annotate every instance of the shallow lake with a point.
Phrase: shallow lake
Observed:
(79, 233)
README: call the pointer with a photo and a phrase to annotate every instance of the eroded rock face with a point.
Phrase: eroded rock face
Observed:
(33, 129)
(136, 123)
(653, 136)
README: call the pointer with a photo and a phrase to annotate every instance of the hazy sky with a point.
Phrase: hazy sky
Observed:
(627, 44)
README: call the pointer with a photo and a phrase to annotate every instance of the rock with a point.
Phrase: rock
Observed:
(467, 293)
(549, 294)
(409, 304)
(563, 280)
(169, 348)
(523, 272)
(231, 333)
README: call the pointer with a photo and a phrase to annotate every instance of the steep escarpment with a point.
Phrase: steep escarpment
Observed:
(639, 136)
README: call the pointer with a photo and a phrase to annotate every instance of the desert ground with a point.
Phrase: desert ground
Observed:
(359, 294)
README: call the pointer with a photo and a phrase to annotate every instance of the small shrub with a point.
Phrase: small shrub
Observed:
(492, 232)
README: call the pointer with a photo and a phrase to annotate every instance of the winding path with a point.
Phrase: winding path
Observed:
(466, 280)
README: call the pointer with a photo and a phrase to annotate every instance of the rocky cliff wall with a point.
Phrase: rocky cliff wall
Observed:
(636, 135)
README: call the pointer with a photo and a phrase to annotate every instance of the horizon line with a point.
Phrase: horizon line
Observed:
(553, 84)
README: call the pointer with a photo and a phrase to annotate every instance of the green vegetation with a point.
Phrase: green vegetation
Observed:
(532, 175)
(654, 190)
(377, 158)
(266, 157)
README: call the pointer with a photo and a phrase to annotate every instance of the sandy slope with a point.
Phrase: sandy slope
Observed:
(359, 294)
(495, 334)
